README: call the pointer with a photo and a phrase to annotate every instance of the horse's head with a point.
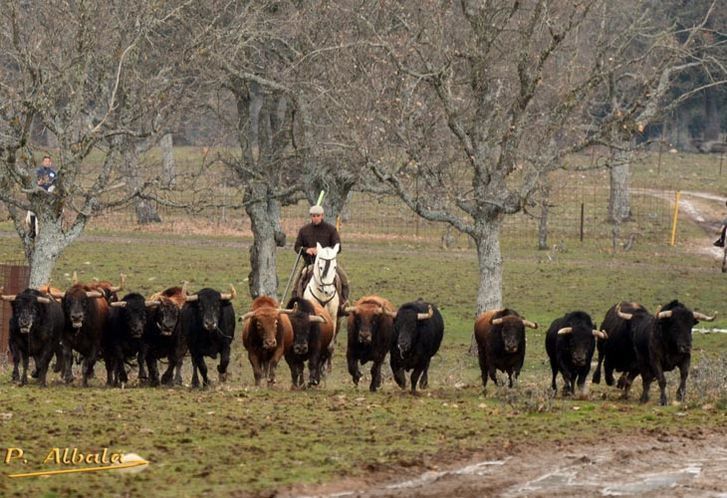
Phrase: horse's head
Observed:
(324, 268)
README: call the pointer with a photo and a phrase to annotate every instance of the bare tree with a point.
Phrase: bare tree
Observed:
(481, 108)
(89, 73)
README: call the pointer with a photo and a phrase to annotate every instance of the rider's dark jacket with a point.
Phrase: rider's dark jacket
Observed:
(323, 233)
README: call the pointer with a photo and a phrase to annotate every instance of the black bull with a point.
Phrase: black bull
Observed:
(36, 326)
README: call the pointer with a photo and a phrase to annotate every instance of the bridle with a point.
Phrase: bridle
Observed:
(317, 282)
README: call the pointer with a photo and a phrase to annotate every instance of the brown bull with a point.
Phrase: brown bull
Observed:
(266, 333)
(500, 336)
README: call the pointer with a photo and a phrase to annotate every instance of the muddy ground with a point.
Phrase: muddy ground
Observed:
(644, 464)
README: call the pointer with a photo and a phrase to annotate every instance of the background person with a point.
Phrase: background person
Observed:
(45, 178)
(720, 241)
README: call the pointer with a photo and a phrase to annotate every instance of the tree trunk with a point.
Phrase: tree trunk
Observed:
(489, 258)
(145, 211)
(711, 115)
(267, 235)
(169, 172)
(543, 218)
(619, 200)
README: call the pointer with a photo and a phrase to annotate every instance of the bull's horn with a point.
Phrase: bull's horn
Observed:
(9, 297)
(392, 314)
(44, 300)
(232, 294)
(74, 278)
(56, 294)
(704, 318)
(565, 330)
(94, 294)
(622, 315)
(152, 302)
(317, 319)
(664, 314)
(119, 304)
(350, 309)
(286, 311)
(529, 324)
(246, 316)
(184, 288)
(190, 298)
(427, 315)
(601, 334)
(121, 285)
(497, 321)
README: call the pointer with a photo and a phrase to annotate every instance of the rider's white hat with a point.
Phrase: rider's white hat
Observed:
(315, 210)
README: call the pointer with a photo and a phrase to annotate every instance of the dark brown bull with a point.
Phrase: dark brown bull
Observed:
(370, 333)
(86, 314)
(163, 336)
(266, 333)
(500, 336)
(312, 333)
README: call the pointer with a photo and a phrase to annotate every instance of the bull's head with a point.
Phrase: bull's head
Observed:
(76, 302)
(366, 318)
(264, 324)
(304, 325)
(676, 325)
(406, 326)
(166, 316)
(134, 312)
(512, 331)
(582, 342)
(26, 308)
(208, 303)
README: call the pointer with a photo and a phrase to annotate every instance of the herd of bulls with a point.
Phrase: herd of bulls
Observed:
(631, 340)
(90, 320)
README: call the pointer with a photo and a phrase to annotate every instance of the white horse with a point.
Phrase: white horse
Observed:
(322, 285)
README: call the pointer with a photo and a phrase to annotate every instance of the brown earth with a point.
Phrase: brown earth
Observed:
(643, 464)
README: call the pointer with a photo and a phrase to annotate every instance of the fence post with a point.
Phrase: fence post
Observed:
(675, 218)
(582, 219)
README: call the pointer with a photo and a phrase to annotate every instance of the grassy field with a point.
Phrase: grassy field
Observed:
(235, 439)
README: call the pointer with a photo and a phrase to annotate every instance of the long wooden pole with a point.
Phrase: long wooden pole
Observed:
(674, 218)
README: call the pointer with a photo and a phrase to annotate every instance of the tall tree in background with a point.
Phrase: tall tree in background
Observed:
(97, 77)
(482, 109)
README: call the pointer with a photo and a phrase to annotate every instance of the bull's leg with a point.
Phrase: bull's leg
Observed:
(567, 382)
(581, 383)
(628, 382)
(224, 361)
(58, 351)
(661, 378)
(256, 367)
(554, 369)
(415, 375)
(509, 377)
(151, 364)
(424, 380)
(143, 375)
(608, 371)
(683, 373)
(178, 372)
(353, 369)
(24, 376)
(646, 380)
(88, 364)
(169, 372)
(44, 363)
(596, 379)
(375, 375)
(67, 364)
(400, 376)
(483, 367)
(110, 367)
(316, 362)
(16, 362)
(198, 363)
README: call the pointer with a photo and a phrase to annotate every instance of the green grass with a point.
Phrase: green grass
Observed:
(238, 438)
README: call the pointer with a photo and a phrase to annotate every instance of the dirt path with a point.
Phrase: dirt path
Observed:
(657, 464)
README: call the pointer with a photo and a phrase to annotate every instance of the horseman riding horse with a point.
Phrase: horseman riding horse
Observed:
(324, 285)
